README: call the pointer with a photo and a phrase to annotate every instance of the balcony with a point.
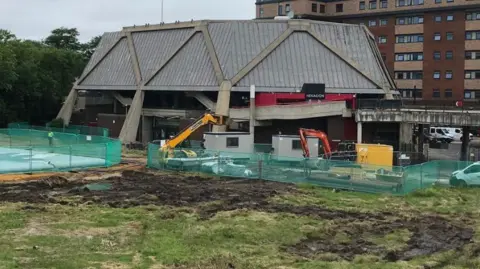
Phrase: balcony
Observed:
(408, 29)
(472, 84)
(472, 44)
(409, 83)
(408, 65)
(408, 47)
(472, 64)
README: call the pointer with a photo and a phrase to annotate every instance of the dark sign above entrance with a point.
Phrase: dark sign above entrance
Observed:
(314, 91)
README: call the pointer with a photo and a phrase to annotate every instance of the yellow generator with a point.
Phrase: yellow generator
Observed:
(374, 154)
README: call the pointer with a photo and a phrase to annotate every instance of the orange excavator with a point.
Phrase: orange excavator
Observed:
(347, 152)
(315, 133)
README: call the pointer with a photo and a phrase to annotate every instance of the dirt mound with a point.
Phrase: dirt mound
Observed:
(428, 235)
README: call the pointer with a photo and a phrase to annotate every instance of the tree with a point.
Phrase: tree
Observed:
(6, 36)
(64, 38)
(89, 47)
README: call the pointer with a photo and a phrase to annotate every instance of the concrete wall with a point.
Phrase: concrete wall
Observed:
(283, 146)
(113, 122)
(419, 116)
(147, 132)
(218, 142)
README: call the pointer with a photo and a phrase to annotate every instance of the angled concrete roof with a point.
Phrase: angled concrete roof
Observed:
(275, 55)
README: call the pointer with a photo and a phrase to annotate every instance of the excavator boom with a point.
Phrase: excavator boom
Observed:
(320, 135)
(204, 120)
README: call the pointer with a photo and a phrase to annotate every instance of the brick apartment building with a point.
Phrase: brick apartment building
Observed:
(431, 47)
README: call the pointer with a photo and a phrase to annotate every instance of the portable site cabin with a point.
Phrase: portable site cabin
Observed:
(229, 142)
(289, 146)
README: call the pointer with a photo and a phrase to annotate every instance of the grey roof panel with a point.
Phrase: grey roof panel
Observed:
(191, 66)
(352, 42)
(302, 59)
(237, 43)
(155, 48)
(107, 41)
(114, 69)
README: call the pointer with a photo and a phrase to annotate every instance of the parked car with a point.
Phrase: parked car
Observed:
(441, 134)
(468, 176)
(457, 133)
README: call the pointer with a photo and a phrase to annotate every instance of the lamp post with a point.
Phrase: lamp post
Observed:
(162, 11)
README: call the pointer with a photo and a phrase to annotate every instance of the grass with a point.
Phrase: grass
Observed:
(92, 236)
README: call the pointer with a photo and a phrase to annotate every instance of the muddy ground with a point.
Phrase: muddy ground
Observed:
(429, 234)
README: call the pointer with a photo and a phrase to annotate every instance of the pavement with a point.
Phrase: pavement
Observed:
(452, 153)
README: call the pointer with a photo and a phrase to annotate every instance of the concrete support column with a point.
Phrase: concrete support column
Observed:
(252, 116)
(147, 126)
(132, 121)
(65, 112)
(359, 132)
(223, 104)
(420, 141)
(406, 136)
(465, 142)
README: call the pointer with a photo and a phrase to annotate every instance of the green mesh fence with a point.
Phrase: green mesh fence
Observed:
(73, 129)
(29, 150)
(327, 173)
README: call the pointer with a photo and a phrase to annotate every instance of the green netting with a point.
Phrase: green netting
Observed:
(29, 150)
(74, 129)
(327, 173)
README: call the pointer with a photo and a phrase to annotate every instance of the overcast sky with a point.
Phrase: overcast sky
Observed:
(34, 19)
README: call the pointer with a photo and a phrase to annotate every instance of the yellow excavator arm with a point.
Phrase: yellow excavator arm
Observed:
(170, 144)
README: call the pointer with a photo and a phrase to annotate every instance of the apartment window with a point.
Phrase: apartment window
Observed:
(382, 39)
(287, 8)
(471, 94)
(472, 74)
(472, 55)
(409, 20)
(372, 4)
(449, 17)
(436, 93)
(448, 93)
(449, 1)
(322, 8)
(408, 75)
(383, 22)
(280, 10)
(372, 23)
(314, 7)
(438, 18)
(406, 57)
(296, 144)
(449, 55)
(384, 57)
(415, 38)
(448, 74)
(232, 142)
(472, 35)
(383, 4)
(438, 1)
(436, 55)
(472, 16)
(339, 8)
(261, 12)
(449, 36)
(362, 6)
(437, 37)
(410, 93)
(403, 3)
(436, 74)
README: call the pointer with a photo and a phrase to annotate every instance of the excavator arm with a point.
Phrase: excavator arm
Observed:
(167, 149)
(320, 135)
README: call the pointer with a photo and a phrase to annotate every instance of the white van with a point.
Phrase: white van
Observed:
(441, 134)
(457, 133)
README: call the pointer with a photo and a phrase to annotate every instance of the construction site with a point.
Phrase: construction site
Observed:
(240, 144)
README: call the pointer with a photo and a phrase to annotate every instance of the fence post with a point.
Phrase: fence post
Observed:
(30, 168)
(421, 176)
(106, 154)
(260, 165)
(70, 155)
